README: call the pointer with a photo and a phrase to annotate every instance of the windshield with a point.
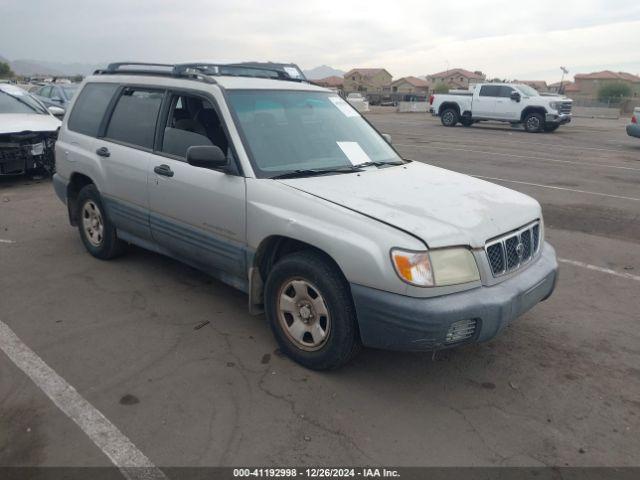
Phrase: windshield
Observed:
(528, 91)
(69, 91)
(16, 100)
(285, 131)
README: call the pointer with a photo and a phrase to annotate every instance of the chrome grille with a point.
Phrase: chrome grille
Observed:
(513, 250)
(565, 108)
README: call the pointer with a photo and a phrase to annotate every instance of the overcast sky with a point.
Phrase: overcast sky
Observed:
(503, 38)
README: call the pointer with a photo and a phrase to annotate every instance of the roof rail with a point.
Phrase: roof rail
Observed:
(200, 71)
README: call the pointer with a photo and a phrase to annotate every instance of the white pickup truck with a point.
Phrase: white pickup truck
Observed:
(503, 102)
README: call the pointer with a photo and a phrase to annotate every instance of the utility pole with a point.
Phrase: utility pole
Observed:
(564, 72)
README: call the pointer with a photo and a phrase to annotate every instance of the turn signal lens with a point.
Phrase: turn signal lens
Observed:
(413, 267)
(634, 119)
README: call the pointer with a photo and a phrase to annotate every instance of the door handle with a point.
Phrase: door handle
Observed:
(164, 170)
(103, 152)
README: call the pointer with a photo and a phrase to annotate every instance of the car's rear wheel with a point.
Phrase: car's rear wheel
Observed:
(310, 310)
(96, 230)
(551, 128)
(533, 123)
(449, 117)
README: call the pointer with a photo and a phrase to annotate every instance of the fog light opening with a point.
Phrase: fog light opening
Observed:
(461, 331)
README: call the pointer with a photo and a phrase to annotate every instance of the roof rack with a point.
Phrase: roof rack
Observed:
(203, 71)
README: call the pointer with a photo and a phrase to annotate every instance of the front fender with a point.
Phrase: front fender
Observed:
(358, 244)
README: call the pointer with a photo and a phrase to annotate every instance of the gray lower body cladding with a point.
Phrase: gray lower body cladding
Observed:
(22, 152)
(633, 130)
(396, 322)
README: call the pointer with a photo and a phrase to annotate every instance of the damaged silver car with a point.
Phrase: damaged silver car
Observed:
(28, 131)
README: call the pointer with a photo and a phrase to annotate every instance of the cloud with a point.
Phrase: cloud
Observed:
(501, 37)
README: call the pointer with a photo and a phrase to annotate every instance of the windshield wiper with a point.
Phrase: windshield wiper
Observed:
(373, 163)
(310, 172)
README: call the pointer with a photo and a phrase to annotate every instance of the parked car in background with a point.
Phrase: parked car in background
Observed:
(283, 190)
(28, 132)
(633, 129)
(357, 101)
(514, 103)
(56, 95)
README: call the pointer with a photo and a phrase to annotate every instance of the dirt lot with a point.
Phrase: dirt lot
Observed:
(560, 387)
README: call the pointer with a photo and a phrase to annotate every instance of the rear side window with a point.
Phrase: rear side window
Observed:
(134, 117)
(90, 107)
(490, 91)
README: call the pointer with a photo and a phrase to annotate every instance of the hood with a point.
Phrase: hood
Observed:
(441, 207)
(31, 122)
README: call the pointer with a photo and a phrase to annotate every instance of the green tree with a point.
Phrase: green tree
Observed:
(441, 88)
(612, 91)
(77, 78)
(5, 70)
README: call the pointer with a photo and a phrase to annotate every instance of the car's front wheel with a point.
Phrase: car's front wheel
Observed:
(310, 310)
(96, 230)
(533, 123)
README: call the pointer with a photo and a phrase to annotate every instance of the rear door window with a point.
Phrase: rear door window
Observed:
(490, 91)
(90, 108)
(134, 117)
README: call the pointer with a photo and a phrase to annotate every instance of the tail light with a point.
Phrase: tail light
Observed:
(634, 119)
(431, 100)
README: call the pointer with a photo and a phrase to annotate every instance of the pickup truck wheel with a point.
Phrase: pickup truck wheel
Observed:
(310, 311)
(449, 117)
(533, 123)
(551, 128)
(96, 230)
(466, 122)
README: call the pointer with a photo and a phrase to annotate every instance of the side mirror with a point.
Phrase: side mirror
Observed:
(206, 156)
(515, 96)
(387, 138)
(56, 111)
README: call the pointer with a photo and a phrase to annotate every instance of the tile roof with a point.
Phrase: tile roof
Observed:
(415, 81)
(332, 81)
(608, 75)
(366, 72)
(461, 71)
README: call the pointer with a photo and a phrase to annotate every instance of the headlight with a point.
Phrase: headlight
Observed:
(447, 266)
(555, 105)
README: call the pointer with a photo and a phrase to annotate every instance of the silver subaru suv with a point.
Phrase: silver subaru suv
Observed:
(283, 190)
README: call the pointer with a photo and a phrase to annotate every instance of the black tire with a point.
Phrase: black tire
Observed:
(466, 122)
(551, 128)
(534, 122)
(106, 245)
(449, 117)
(342, 341)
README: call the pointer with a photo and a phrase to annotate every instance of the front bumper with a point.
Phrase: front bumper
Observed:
(557, 119)
(633, 130)
(397, 322)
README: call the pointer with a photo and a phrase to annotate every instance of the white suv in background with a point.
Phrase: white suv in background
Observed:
(281, 189)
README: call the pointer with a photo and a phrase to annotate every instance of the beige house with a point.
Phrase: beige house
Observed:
(410, 86)
(588, 84)
(539, 85)
(333, 82)
(368, 81)
(457, 78)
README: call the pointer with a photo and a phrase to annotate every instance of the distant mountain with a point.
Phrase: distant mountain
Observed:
(43, 67)
(323, 71)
